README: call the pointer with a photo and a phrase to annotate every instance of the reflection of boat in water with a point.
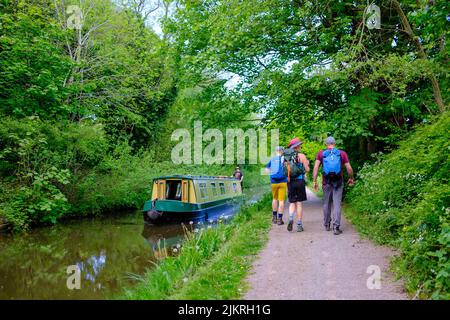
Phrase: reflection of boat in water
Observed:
(167, 239)
(192, 198)
(160, 237)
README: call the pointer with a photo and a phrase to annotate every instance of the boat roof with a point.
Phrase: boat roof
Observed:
(194, 177)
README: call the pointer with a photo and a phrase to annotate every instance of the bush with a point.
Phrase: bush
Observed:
(403, 200)
(40, 165)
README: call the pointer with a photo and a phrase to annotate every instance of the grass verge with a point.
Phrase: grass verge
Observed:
(403, 200)
(213, 263)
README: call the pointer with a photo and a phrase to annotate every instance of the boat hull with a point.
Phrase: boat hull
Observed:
(176, 212)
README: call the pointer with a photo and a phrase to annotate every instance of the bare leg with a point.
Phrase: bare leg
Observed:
(299, 210)
(280, 207)
(291, 210)
(275, 205)
(291, 216)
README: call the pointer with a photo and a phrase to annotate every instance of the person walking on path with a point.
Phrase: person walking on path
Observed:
(278, 185)
(295, 166)
(332, 160)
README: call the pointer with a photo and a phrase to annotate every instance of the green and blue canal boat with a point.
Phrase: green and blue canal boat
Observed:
(187, 198)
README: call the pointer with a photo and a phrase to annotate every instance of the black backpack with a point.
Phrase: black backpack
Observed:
(292, 168)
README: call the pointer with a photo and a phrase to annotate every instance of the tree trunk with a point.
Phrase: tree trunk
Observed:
(362, 148)
(422, 55)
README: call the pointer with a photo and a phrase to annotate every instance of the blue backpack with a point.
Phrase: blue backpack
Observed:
(332, 164)
(276, 168)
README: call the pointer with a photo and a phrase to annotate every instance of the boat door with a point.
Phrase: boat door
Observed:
(185, 191)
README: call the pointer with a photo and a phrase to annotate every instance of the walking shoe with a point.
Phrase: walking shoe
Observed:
(327, 227)
(337, 230)
(274, 219)
(289, 228)
(280, 221)
(299, 228)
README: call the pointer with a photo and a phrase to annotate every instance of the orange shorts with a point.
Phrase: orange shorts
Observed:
(279, 191)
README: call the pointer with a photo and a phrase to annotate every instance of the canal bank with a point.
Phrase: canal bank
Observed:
(213, 263)
(113, 253)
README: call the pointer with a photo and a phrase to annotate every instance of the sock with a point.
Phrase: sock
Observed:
(280, 215)
(291, 217)
(299, 222)
(274, 213)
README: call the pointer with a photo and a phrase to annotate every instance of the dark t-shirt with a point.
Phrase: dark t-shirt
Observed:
(344, 160)
(238, 175)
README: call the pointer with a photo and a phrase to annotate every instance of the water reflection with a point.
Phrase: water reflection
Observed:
(34, 266)
(92, 267)
(163, 236)
(109, 252)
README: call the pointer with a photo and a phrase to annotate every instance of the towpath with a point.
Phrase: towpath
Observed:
(316, 264)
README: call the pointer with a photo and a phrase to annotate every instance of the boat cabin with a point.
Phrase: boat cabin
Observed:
(191, 196)
(195, 189)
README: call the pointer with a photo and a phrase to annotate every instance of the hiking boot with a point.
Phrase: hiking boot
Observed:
(327, 227)
(299, 228)
(274, 219)
(289, 228)
(337, 230)
(280, 221)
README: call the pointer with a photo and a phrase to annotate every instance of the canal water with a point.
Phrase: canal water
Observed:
(112, 253)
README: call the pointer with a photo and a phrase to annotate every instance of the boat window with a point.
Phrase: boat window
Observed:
(203, 192)
(178, 194)
(222, 188)
(173, 189)
(234, 187)
(213, 188)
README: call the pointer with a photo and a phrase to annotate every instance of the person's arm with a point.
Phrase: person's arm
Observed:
(267, 169)
(348, 167)
(350, 174)
(315, 173)
(304, 161)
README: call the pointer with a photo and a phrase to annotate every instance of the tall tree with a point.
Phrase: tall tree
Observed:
(316, 65)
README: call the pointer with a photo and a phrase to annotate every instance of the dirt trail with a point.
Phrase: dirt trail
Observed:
(316, 264)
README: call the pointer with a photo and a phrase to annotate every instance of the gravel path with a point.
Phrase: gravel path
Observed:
(316, 264)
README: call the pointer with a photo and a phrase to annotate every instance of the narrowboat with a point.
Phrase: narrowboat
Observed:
(192, 198)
